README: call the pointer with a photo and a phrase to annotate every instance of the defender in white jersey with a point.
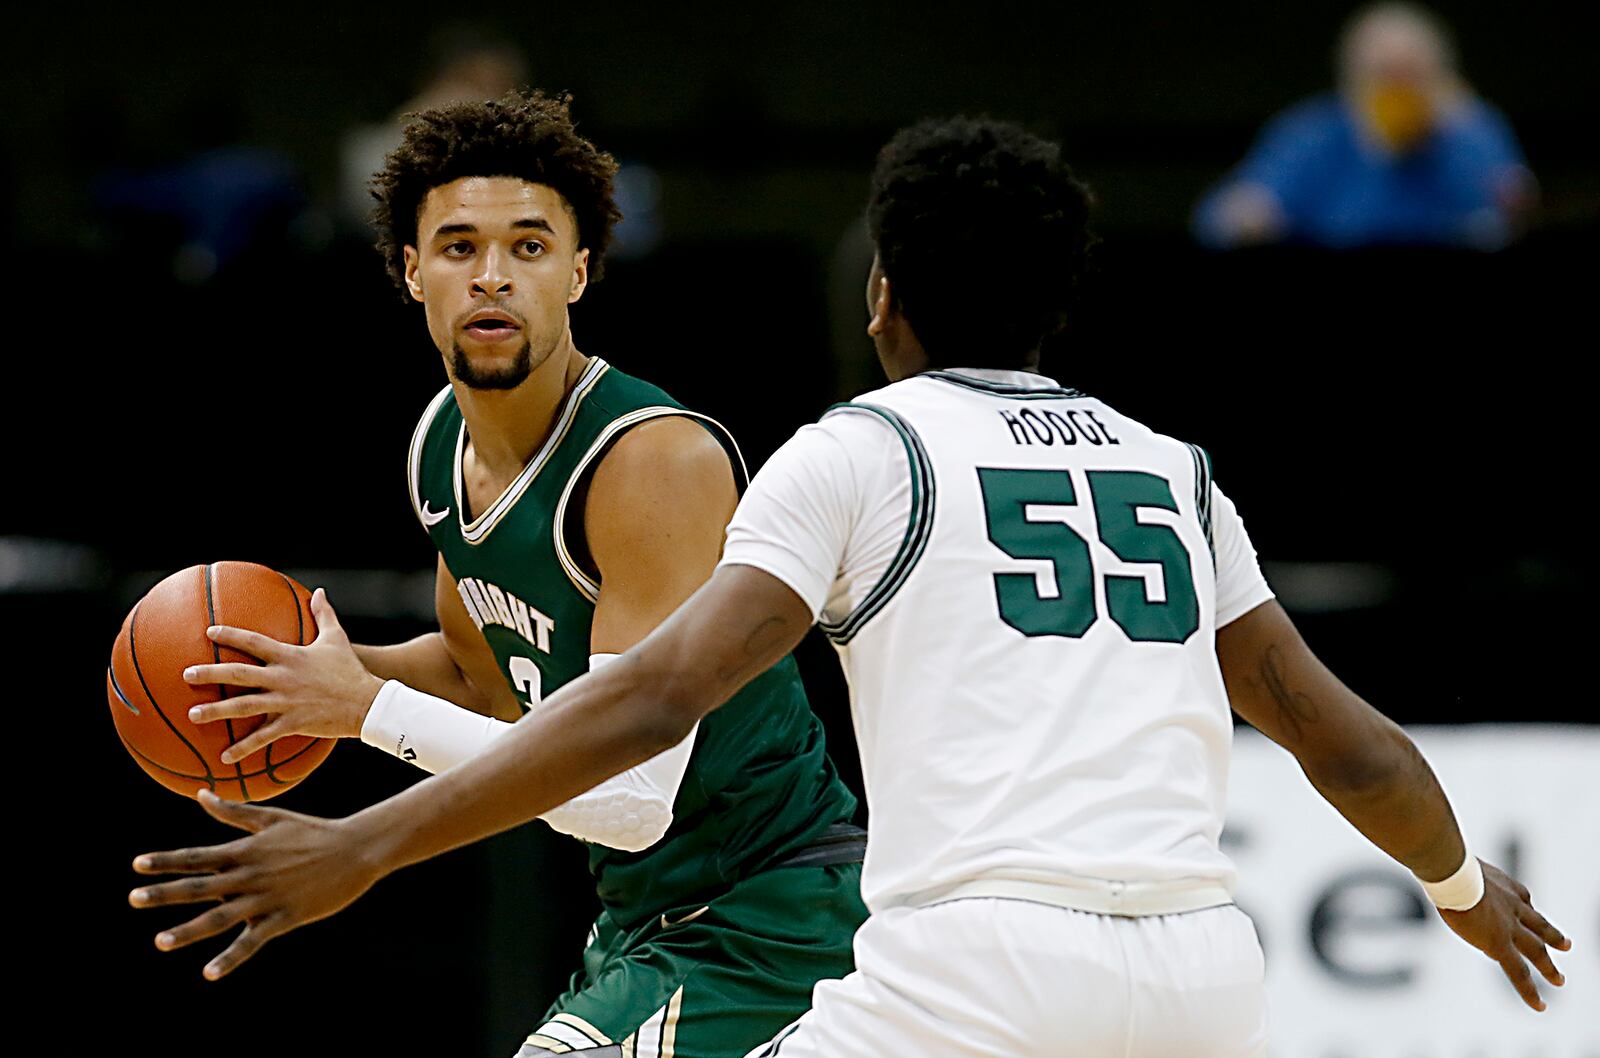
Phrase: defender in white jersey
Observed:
(1045, 611)
(1026, 610)
(1024, 588)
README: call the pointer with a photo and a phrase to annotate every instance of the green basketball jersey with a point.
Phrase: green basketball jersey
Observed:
(759, 784)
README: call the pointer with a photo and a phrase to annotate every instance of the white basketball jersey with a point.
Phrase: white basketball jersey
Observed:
(1034, 680)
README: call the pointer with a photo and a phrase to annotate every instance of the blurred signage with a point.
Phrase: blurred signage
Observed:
(1358, 963)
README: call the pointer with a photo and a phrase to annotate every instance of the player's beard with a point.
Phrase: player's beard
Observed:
(509, 377)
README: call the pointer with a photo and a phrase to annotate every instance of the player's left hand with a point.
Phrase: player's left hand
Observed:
(320, 689)
(1505, 926)
(289, 870)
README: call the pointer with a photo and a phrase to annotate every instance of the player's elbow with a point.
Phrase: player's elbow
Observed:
(615, 815)
(645, 827)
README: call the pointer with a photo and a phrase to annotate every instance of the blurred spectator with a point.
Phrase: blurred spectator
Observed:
(1403, 152)
(473, 62)
(222, 201)
(469, 63)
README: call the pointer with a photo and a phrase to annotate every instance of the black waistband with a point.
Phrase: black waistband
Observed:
(840, 843)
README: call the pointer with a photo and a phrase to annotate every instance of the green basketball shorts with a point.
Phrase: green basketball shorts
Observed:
(709, 982)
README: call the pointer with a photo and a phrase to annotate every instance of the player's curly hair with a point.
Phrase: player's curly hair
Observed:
(983, 231)
(526, 135)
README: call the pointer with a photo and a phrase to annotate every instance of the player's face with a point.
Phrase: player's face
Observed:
(496, 265)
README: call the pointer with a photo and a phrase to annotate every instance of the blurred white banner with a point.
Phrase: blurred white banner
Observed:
(1359, 965)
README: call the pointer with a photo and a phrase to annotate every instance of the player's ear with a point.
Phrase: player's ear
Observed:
(413, 272)
(882, 307)
(580, 276)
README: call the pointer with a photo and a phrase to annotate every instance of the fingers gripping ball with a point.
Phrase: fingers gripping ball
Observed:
(150, 702)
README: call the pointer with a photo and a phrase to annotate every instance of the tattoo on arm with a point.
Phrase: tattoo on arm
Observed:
(1296, 709)
(756, 646)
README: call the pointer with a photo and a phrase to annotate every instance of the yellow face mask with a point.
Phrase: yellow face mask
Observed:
(1400, 114)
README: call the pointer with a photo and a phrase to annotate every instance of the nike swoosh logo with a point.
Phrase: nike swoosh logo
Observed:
(667, 922)
(432, 518)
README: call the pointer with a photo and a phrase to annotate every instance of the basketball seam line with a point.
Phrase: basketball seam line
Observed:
(111, 674)
(300, 640)
(133, 652)
(216, 656)
(302, 751)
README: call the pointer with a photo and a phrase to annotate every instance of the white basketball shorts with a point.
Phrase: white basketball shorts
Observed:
(1015, 979)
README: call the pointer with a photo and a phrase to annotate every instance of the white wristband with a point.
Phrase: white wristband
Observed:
(433, 733)
(1462, 890)
(430, 732)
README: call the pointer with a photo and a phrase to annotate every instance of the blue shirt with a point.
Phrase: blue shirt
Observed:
(1337, 190)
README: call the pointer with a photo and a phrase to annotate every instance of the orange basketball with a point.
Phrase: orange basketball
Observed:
(150, 702)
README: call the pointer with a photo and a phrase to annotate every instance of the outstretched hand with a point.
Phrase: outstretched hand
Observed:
(1506, 928)
(320, 689)
(289, 870)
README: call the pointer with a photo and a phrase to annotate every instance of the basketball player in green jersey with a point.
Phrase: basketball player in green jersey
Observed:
(573, 508)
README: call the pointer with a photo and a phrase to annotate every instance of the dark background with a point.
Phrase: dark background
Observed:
(1405, 431)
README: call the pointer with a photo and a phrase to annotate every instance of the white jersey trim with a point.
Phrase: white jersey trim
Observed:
(475, 531)
(1202, 495)
(919, 527)
(1098, 896)
(586, 585)
(1043, 389)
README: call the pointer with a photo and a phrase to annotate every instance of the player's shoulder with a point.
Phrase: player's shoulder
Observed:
(855, 426)
(1129, 424)
(1132, 431)
(639, 429)
(613, 393)
(884, 408)
(648, 445)
(664, 451)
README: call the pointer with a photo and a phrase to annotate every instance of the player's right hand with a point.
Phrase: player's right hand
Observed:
(1506, 928)
(320, 689)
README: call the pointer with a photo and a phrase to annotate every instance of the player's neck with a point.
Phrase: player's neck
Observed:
(507, 427)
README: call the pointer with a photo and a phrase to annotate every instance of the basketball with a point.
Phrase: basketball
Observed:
(164, 634)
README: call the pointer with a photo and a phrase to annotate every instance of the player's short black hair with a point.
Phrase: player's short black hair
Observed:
(983, 231)
(526, 135)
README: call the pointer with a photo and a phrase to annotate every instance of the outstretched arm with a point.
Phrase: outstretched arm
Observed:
(1364, 765)
(295, 869)
(1359, 760)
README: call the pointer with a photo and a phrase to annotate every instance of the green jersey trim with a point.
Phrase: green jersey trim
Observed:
(477, 530)
(586, 585)
(1202, 494)
(1003, 389)
(414, 455)
(919, 526)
